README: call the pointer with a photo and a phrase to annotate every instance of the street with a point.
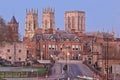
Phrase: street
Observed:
(74, 69)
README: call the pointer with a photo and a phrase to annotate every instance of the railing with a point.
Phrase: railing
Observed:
(94, 70)
(70, 61)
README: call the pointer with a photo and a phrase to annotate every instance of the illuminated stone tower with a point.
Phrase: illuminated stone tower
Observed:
(74, 20)
(31, 23)
(48, 19)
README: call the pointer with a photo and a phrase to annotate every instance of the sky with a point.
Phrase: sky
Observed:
(101, 15)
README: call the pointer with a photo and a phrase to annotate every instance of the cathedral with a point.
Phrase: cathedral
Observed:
(74, 20)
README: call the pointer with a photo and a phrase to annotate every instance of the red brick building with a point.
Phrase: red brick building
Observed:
(47, 44)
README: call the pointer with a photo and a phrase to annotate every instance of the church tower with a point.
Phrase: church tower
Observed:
(13, 28)
(75, 20)
(48, 19)
(31, 23)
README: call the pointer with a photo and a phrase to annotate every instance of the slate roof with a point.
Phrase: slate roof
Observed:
(13, 20)
(61, 36)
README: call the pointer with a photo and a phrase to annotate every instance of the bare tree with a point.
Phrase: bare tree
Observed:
(6, 33)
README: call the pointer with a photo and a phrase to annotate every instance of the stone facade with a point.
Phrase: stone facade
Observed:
(74, 20)
(14, 52)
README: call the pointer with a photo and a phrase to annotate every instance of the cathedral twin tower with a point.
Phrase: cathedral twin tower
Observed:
(73, 20)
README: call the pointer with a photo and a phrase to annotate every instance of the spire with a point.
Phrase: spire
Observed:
(113, 31)
(13, 20)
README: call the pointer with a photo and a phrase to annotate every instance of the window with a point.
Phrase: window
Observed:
(8, 50)
(49, 47)
(61, 47)
(19, 59)
(75, 47)
(52, 47)
(19, 51)
(9, 57)
(43, 46)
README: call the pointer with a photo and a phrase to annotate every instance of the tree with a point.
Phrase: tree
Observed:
(6, 34)
(2, 30)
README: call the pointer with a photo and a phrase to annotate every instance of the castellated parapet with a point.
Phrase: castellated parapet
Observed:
(48, 10)
(32, 11)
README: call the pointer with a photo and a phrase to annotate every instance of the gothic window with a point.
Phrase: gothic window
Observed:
(73, 22)
(79, 22)
(45, 24)
(29, 26)
(34, 25)
(82, 18)
(68, 22)
(50, 23)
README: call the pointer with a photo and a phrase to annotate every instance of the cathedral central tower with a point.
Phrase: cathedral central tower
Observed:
(75, 20)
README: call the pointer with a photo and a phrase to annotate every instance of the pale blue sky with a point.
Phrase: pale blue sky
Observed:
(100, 14)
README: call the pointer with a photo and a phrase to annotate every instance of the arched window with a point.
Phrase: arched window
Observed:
(69, 22)
(73, 22)
(45, 24)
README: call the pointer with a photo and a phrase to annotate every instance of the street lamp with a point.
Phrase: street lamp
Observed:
(79, 55)
(67, 58)
(106, 60)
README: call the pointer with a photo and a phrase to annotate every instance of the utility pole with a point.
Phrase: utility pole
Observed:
(92, 51)
(66, 67)
(92, 58)
(107, 59)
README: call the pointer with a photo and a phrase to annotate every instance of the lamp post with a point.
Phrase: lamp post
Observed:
(92, 52)
(79, 55)
(14, 53)
(106, 57)
(106, 60)
(67, 58)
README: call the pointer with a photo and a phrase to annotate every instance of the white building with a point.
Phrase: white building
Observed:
(14, 52)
